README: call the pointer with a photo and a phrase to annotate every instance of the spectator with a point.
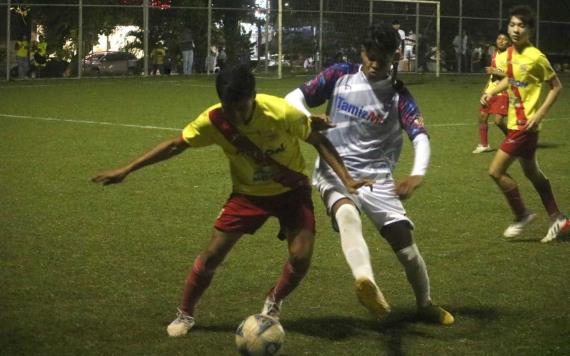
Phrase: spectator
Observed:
(222, 58)
(158, 54)
(22, 56)
(211, 60)
(187, 47)
(460, 45)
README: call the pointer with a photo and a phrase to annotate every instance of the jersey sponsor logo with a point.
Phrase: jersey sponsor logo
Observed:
(266, 153)
(518, 83)
(347, 108)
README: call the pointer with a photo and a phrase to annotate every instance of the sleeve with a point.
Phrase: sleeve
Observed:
(422, 152)
(544, 68)
(198, 133)
(319, 89)
(297, 99)
(411, 118)
(297, 123)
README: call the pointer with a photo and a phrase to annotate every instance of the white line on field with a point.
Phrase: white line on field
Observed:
(93, 122)
(89, 122)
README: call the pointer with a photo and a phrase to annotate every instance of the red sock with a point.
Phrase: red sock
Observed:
(484, 134)
(290, 279)
(515, 202)
(545, 191)
(197, 282)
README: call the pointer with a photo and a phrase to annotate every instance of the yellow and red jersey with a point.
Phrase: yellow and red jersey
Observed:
(527, 71)
(494, 80)
(276, 128)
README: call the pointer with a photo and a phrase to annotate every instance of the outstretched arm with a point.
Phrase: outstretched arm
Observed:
(330, 155)
(161, 152)
(502, 86)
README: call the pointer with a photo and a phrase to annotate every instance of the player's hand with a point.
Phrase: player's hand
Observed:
(533, 123)
(405, 188)
(321, 122)
(353, 185)
(111, 177)
(489, 70)
(485, 99)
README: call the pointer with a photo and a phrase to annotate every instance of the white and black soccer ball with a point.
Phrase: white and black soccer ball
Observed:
(259, 335)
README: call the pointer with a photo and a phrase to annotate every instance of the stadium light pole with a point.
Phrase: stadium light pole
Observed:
(145, 30)
(80, 41)
(8, 41)
(320, 62)
(280, 39)
(209, 40)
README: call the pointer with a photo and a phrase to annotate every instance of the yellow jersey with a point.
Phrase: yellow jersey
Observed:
(529, 70)
(275, 128)
(494, 80)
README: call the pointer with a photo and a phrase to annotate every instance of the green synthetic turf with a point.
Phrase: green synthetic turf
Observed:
(92, 270)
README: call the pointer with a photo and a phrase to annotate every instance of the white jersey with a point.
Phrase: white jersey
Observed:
(369, 119)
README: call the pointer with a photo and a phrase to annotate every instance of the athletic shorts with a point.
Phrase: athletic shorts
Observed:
(520, 143)
(497, 104)
(246, 213)
(381, 204)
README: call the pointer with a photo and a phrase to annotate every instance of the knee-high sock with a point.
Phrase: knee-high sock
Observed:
(289, 280)
(416, 272)
(545, 191)
(484, 134)
(515, 202)
(353, 244)
(197, 282)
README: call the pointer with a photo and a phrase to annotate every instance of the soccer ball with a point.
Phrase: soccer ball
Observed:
(259, 335)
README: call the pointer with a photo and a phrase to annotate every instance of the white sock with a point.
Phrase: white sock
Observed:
(416, 272)
(353, 245)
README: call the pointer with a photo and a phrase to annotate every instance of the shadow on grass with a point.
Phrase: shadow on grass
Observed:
(547, 145)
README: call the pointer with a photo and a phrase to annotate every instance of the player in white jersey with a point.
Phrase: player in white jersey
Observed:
(369, 113)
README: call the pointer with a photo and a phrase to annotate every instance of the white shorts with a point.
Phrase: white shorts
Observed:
(382, 205)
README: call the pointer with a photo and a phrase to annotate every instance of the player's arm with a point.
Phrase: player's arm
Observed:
(318, 122)
(329, 154)
(412, 122)
(555, 89)
(502, 86)
(161, 152)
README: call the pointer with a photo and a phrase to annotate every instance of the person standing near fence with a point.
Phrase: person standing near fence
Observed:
(22, 48)
(526, 68)
(187, 48)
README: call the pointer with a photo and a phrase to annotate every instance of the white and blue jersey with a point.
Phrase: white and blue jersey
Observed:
(369, 119)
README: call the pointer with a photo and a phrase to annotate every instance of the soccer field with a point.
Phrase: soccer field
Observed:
(92, 270)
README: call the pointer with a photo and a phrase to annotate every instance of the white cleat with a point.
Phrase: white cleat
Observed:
(516, 228)
(181, 325)
(480, 149)
(559, 229)
(272, 308)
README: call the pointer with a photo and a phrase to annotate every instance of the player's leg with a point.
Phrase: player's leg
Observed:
(297, 219)
(399, 236)
(559, 223)
(357, 255)
(501, 123)
(199, 279)
(483, 145)
(509, 188)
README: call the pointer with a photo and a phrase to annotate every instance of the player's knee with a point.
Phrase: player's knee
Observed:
(211, 259)
(494, 174)
(347, 215)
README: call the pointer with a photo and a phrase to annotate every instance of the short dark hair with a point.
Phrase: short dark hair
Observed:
(395, 22)
(381, 39)
(525, 14)
(235, 84)
(503, 33)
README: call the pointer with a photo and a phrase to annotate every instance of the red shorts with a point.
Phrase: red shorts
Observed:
(246, 213)
(520, 143)
(497, 104)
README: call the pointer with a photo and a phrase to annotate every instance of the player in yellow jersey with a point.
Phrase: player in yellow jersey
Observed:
(260, 136)
(527, 68)
(498, 105)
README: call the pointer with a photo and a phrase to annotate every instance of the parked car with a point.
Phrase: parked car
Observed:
(111, 63)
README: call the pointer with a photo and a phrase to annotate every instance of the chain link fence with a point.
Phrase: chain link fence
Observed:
(75, 38)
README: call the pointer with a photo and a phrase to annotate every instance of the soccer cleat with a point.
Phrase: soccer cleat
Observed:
(480, 148)
(370, 296)
(435, 314)
(559, 229)
(181, 325)
(272, 308)
(516, 228)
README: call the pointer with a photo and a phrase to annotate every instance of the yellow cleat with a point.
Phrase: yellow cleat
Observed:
(370, 296)
(436, 315)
